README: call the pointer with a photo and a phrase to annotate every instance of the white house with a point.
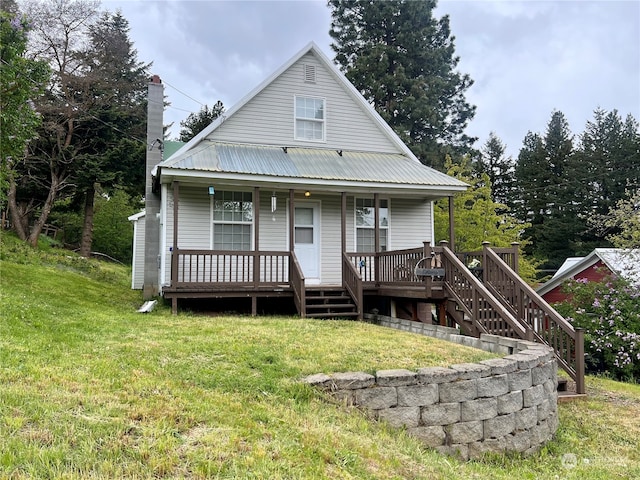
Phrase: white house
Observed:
(302, 195)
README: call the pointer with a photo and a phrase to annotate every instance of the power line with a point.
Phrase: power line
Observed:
(188, 96)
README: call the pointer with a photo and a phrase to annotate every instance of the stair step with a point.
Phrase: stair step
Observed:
(570, 396)
(332, 315)
(330, 298)
(331, 305)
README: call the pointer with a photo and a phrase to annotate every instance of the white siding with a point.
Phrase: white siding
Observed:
(194, 223)
(330, 247)
(274, 231)
(410, 223)
(137, 262)
(268, 118)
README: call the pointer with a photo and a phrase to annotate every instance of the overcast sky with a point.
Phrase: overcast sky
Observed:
(527, 58)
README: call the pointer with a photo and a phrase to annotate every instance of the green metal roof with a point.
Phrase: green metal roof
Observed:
(309, 163)
(171, 147)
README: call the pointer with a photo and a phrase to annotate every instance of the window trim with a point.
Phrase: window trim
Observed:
(387, 227)
(323, 122)
(213, 222)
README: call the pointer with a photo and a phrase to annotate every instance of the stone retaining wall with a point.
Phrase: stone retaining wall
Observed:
(499, 405)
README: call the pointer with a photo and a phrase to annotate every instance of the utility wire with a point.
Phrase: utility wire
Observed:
(188, 96)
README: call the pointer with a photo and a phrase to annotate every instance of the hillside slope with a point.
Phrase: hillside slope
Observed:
(90, 388)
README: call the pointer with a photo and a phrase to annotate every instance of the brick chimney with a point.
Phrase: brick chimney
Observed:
(155, 107)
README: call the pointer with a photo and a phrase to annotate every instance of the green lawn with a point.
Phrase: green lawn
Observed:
(91, 389)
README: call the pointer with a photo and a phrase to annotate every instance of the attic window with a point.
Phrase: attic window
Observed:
(309, 119)
(309, 72)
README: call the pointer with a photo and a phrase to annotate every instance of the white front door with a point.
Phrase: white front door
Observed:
(307, 240)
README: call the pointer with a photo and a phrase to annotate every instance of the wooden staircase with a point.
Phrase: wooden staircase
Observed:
(499, 302)
(329, 302)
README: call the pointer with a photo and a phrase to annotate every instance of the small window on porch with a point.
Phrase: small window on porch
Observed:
(365, 225)
(232, 221)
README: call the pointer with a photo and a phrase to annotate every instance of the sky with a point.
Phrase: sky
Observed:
(527, 58)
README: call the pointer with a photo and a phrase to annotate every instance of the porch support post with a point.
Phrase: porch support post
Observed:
(292, 213)
(343, 223)
(174, 250)
(176, 199)
(256, 248)
(452, 240)
(376, 219)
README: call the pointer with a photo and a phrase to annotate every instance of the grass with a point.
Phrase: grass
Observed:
(91, 389)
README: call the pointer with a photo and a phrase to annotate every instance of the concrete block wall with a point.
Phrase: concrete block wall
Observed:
(504, 404)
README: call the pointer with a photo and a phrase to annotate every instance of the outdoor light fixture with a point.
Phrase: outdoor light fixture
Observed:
(307, 193)
(274, 201)
(212, 191)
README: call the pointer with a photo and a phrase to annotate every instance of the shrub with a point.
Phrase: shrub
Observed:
(609, 312)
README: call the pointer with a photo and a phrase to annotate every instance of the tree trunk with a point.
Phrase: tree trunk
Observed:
(87, 227)
(46, 210)
(14, 211)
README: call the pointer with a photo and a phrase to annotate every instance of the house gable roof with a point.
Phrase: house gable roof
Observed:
(624, 263)
(335, 73)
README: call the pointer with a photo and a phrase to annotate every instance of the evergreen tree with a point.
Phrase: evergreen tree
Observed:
(403, 61)
(114, 149)
(610, 151)
(196, 122)
(499, 168)
(21, 81)
(547, 193)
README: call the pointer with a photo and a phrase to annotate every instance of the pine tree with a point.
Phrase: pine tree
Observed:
(113, 135)
(403, 61)
(499, 168)
(548, 197)
(196, 122)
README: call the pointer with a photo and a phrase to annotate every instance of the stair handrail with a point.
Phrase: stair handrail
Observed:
(547, 325)
(297, 282)
(352, 283)
(455, 269)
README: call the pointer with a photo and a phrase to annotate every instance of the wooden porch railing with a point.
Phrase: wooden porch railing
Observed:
(192, 268)
(352, 283)
(296, 280)
(547, 325)
(394, 267)
(485, 311)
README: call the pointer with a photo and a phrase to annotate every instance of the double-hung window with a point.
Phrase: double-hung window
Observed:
(309, 118)
(232, 220)
(365, 225)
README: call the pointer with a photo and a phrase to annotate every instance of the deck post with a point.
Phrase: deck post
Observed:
(292, 221)
(343, 223)
(452, 240)
(427, 257)
(256, 236)
(580, 386)
(485, 245)
(516, 252)
(174, 248)
(376, 230)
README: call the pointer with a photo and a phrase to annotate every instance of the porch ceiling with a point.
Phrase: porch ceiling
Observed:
(286, 166)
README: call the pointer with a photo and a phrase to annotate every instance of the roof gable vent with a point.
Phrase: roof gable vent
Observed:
(309, 72)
